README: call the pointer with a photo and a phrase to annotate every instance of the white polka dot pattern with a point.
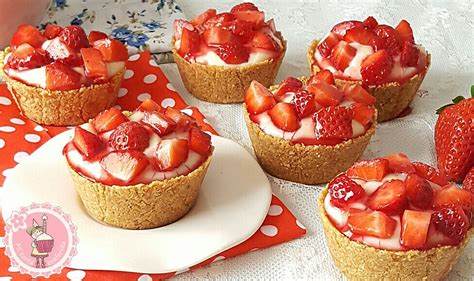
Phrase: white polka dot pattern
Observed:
(275, 210)
(17, 121)
(143, 96)
(7, 129)
(269, 230)
(128, 74)
(5, 101)
(19, 156)
(122, 92)
(33, 138)
(168, 102)
(149, 79)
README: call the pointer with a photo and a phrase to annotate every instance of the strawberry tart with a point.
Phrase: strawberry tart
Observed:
(391, 219)
(218, 55)
(140, 169)
(62, 76)
(385, 60)
(307, 130)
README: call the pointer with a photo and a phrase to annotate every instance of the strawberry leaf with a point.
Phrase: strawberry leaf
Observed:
(454, 101)
(472, 91)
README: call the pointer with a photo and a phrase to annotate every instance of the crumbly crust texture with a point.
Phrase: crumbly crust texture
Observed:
(308, 164)
(219, 84)
(392, 98)
(361, 262)
(141, 206)
(62, 108)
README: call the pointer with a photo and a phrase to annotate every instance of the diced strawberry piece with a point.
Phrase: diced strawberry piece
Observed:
(111, 49)
(390, 198)
(415, 226)
(325, 94)
(199, 141)
(343, 191)
(219, 20)
(400, 163)
(202, 18)
(341, 28)
(130, 135)
(61, 77)
(369, 170)
(149, 105)
(328, 43)
(108, 120)
(94, 65)
(290, 84)
(59, 51)
(190, 42)
(246, 6)
(95, 36)
(342, 55)
(172, 153)
(161, 123)
(370, 22)
(182, 119)
(376, 67)
(452, 222)
(451, 195)
(404, 32)
(233, 53)
(419, 191)
(217, 36)
(371, 223)
(333, 122)
(430, 173)
(178, 26)
(242, 29)
(284, 116)
(27, 34)
(74, 36)
(25, 56)
(468, 183)
(264, 41)
(88, 144)
(257, 18)
(51, 31)
(358, 94)
(324, 75)
(304, 103)
(409, 55)
(363, 114)
(389, 38)
(258, 98)
(364, 37)
(124, 165)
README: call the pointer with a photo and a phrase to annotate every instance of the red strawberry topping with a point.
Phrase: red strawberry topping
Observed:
(409, 55)
(415, 226)
(372, 223)
(258, 98)
(233, 53)
(365, 37)
(202, 18)
(389, 38)
(264, 41)
(52, 31)
(468, 183)
(390, 198)
(324, 75)
(430, 173)
(190, 41)
(342, 55)
(27, 34)
(376, 67)
(328, 43)
(124, 165)
(88, 144)
(451, 221)
(341, 28)
(325, 94)
(419, 191)
(172, 153)
(343, 191)
(217, 36)
(108, 120)
(129, 135)
(95, 36)
(333, 122)
(199, 141)
(304, 103)
(246, 6)
(358, 94)
(404, 32)
(284, 116)
(149, 105)
(75, 37)
(25, 56)
(368, 170)
(94, 65)
(161, 123)
(181, 119)
(61, 52)
(399, 163)
(257, 18)
(451, 195)
(290, 84)
(363, 114)
(111, 50)
(61, 77)
(370, 22)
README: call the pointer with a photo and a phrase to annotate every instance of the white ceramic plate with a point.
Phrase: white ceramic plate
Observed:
(231, 206)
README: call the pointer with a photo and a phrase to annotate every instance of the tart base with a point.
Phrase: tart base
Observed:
(308, 164)
(62, 108)
(361, 262)
(219, 84)
(141, 206)
(391, 98)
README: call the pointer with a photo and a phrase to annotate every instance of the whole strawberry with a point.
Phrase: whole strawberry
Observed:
(454, 138)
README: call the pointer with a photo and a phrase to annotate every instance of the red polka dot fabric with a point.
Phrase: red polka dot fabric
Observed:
(143, 79)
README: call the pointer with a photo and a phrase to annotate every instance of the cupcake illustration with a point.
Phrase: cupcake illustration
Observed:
(42, 243)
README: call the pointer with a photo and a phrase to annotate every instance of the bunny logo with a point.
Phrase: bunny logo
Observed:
(40, 249)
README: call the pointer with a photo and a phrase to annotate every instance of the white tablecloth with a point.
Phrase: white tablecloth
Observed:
(445, 29)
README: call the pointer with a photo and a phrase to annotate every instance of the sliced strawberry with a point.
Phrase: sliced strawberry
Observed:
(342, 55)
(304, 103)
(343, 191)
(242, 29)
(130, 135)
(149, 105)
(358, 94)
(74, 36)
(341, 28)
(178, 26)
(370, 22)
(233, 52)
(328, 43)
(161, 123)
(389, 38)
(258, 98)
(430, 173)
(108, 120)
(364, 37)
(202, 18)
(59, 51)
(27, 34)
(284, 116)
(419, 191)
(61, 77)
(124, 165)
(363, 114)
(404, 32)
(290, 84)
(324, 75)
(333, 122)
(369, 170)
(264, 41)
(190, 42)
(325, 94)
(371, 223)
(399, 163)
(451, 195)
(25, 56)
(172, 153)
(390, 198)
(415, 227)
(217, 36)
(111, 49)
(88, 144)
(219, 20)
(181, 119)
(452, 222)
(199, 141)
(376, 67)
(409, 55)
(468, 183)
(246, 6)
(257, 18)
(94, 65)
(95, 36)
(51, 31)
